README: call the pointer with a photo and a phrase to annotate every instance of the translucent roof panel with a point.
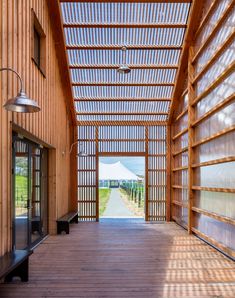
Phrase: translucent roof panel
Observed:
(114, 57)
(111, 13)
(111, 75)
(113, 92)
(124, 36)
(94, 118)
(122, 107)
(153, 34)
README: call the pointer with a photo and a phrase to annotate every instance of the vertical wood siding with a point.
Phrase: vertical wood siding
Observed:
(51, 125)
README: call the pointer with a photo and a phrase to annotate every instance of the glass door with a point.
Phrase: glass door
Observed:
(21, 194)
(29, 193)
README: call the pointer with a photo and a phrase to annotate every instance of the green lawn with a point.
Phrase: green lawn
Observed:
(21, 185)
(104, 195)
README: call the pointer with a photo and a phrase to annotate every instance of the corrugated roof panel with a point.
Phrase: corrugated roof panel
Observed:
(144, 92)
(124, 36)
(135, 107)
(109, 12)
(111, 75)
(131, 118)
(133, 57)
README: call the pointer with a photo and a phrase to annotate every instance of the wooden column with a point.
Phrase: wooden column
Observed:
(146, 174)
(191, 96)
(73, 202)
(97, 170)
(168, 173)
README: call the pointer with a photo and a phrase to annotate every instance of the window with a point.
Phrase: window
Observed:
(38, 44)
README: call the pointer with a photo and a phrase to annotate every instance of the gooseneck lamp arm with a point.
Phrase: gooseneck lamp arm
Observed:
(15, 72)
(21, 103)
(71, 148)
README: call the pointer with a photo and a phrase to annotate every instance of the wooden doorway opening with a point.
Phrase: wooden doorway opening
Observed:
(122, 186)
(147, 141)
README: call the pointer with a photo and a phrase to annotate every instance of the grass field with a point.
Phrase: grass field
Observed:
(21, 184)
(104, 195)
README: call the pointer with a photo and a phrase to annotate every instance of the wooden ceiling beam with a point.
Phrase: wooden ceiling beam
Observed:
(120, 123)
(193, 23)
(113, 66)
(59, 41)
(121, 100)
(121, 114)
(129, 1)
(118, 47)
(123, 84)
(118, 25)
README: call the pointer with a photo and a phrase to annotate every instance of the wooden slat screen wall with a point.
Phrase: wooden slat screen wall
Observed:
(149, 142)
(211, 150)
(87, 172)
(156, 173)
(180, 162)
(213, 79)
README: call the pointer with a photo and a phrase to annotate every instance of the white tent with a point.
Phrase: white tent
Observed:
(115, 171)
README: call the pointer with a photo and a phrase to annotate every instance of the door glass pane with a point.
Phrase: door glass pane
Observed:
(36, 218)
(21, 193)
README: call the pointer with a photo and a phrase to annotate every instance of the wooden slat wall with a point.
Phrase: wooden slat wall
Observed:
(156, 173)
(211, 191)
(149, 142)
(180, 162)
(51, 125)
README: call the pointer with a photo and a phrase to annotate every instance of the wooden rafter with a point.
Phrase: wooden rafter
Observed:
(102, 99)
(119, 46)
(121, 114)
(130, 1)
(59, 38)
(193, 23)
(122, 84)
(120, 123)
(119, 25)
(115, 66)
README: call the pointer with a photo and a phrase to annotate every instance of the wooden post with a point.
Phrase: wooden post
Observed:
(146, 174)
(168, 174)
(97, 170)
(73, 202)
(191, 96)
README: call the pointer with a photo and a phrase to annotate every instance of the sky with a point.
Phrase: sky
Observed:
(134, 164)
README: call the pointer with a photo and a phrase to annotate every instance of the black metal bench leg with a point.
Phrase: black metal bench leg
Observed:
(21, 271)
(62, 226)
(75, 219)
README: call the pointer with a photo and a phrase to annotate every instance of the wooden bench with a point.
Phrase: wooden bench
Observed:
(64, 221)
(15, 264)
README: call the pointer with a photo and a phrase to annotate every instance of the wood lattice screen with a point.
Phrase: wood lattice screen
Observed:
(146, 141)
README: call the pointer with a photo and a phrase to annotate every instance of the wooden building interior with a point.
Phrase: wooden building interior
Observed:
(175, 108)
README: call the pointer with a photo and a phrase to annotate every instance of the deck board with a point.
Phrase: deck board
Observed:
(126, 259)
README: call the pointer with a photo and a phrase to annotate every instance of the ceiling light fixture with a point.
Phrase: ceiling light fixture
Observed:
(21, 103)
(124, 69)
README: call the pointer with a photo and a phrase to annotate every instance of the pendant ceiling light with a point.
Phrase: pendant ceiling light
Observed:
(124, 69)
(21, 103)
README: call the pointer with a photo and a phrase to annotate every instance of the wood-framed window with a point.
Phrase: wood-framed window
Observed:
(38, 44)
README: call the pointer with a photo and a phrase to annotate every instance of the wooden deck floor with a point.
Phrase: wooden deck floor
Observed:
(126, 259)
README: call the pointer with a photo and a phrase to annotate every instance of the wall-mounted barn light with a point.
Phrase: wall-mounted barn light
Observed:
(21, 103)
(124, 69)
(81, 152)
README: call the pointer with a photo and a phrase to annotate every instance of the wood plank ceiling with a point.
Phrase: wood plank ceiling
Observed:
(153, 33)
